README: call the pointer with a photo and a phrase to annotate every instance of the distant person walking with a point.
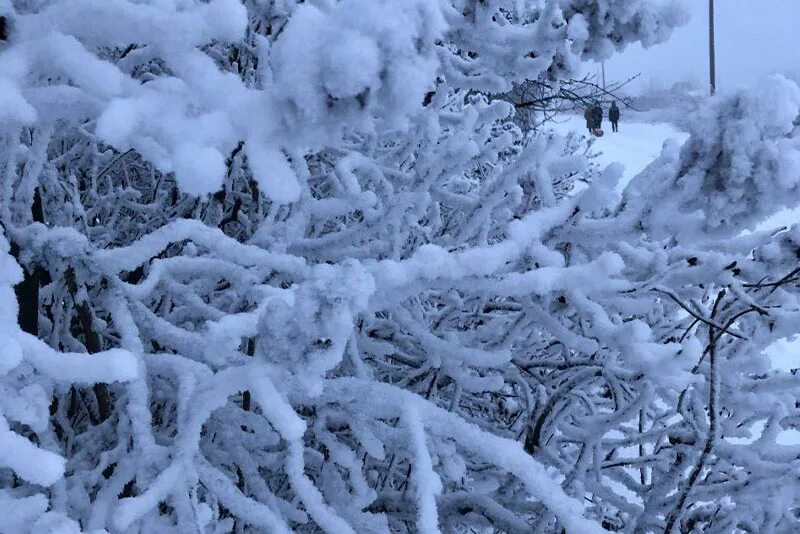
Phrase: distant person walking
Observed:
(589, 116)
(597, 115)
(613, 116)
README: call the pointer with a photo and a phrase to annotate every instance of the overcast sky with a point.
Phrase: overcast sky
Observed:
(754, 38)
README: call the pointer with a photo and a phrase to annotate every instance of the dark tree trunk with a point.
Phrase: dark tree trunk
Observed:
(27, 291)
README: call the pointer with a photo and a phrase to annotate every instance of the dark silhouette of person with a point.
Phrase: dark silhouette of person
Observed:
(613, 116)
(588, 114)
(597, 115)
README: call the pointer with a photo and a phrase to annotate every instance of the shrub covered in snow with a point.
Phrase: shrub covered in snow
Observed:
(278, 266)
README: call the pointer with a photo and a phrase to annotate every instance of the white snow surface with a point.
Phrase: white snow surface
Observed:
(635, 146)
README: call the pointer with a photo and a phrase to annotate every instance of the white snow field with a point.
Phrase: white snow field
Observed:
(783, 218)
(636, 144)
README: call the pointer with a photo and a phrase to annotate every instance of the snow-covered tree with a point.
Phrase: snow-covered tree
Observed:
(277, 265)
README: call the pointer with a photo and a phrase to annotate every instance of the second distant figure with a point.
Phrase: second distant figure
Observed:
(613, 116)
(597, 115)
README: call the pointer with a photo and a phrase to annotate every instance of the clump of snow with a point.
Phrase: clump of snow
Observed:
(273, 173)
(199, 170)
(736, 169)
(28, 461)
(13, 106)
(55, 523)
(578, 28)
(775, 104)
(352, 59)
(354, 66)
(20, 512)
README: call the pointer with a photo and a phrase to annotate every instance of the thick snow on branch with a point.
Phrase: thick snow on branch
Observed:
(292, 266)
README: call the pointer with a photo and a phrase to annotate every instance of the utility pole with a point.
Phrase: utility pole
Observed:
(603, 66)
(712, 67)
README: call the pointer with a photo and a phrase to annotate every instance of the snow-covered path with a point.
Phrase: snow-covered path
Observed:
(635, 145)
(638, 143)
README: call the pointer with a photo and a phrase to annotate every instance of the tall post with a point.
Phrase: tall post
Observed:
(712, 67)
(603, 66)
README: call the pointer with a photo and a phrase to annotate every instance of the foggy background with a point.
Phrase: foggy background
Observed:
(754, 38)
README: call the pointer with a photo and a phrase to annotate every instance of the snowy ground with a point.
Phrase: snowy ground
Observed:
(638, 142)
(783, 218)
(635, 145)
